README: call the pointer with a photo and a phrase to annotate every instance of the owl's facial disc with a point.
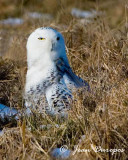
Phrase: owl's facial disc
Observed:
(46, 42)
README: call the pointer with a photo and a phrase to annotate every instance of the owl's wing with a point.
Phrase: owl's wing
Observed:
(58, 97)
(69, 76)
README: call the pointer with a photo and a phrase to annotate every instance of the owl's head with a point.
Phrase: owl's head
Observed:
(46, 43)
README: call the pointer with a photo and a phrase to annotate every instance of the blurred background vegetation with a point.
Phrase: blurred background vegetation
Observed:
(116, 9)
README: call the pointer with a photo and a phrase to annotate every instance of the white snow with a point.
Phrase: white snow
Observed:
(84, 14)
(60, 153)
(1, 132)
(7, 112)
(36, 15)
(12, 21)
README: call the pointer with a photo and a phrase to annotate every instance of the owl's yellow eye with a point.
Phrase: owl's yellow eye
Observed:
(40, 38)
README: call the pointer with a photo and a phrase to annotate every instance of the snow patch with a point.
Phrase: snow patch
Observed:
(84, 14)
(12, 21)
(36, 15)
(7, 112)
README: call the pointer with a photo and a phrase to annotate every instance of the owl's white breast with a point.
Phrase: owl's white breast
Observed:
(37, 74)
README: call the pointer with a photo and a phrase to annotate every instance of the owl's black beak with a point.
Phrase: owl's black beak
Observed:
(53, 47)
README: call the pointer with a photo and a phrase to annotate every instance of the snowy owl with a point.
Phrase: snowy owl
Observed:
(49, 78)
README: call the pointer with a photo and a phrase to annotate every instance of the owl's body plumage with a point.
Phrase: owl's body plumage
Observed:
(49, 77)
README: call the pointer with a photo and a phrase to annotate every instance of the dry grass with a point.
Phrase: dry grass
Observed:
(98, 52)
